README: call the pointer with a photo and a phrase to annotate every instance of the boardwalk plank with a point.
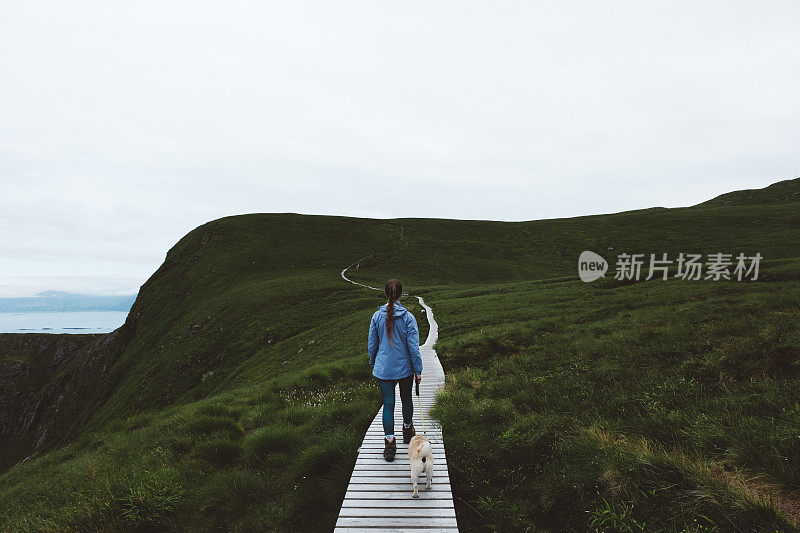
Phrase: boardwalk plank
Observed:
(405, 495)
(416, 503)
(392, 530)
(404, 486)
(420, 512)
(394, 474)
(404, 522)
(392, 467)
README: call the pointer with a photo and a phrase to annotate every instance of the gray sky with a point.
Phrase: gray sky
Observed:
(125, 125)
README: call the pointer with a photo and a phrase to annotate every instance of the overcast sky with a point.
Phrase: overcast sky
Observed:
(125, 125)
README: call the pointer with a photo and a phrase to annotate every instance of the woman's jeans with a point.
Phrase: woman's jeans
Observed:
(387, 390)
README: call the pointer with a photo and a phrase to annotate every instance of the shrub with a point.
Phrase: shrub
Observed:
(271, 439)
(213, 424)
(230, 494)
(218, 410)
(151, 501)
(221, 452)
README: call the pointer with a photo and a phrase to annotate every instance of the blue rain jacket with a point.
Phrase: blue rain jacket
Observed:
(393, 360)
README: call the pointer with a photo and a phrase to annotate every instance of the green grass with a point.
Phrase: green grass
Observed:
(230, 462)
(237, 392)
(656, 398)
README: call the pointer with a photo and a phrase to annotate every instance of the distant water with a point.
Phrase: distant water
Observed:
(69, 322)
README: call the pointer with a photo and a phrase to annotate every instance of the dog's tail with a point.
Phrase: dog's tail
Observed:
(425, 450)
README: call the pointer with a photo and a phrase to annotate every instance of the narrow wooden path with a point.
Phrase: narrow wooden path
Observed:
(378, 498)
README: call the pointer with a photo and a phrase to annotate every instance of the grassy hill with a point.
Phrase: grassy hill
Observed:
(237, 392)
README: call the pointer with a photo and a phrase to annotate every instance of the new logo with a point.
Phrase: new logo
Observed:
(591, 266)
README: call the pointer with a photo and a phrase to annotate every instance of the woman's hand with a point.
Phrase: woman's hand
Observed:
(418, 378)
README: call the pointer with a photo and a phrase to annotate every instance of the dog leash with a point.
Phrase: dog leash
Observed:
(419, 404)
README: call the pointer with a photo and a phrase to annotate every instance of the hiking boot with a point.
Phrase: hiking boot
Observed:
(408, 432)
(390, 449)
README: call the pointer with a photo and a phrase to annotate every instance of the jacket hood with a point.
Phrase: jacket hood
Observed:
(399, 310)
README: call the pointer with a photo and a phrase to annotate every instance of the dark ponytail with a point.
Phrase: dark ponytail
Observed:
(393, 289)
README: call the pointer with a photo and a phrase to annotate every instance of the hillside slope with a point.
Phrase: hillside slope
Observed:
(48, 385)
(245, 348)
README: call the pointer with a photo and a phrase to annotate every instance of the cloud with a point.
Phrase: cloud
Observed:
(125, 126)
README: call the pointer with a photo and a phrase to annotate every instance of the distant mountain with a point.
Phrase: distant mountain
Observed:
(785, 191)
(56, 301)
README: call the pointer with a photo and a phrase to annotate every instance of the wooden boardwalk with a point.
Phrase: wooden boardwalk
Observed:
(378, 498)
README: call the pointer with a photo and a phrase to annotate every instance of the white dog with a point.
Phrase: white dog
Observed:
(421, 458)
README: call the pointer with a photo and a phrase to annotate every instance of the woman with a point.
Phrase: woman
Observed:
(394, 357)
